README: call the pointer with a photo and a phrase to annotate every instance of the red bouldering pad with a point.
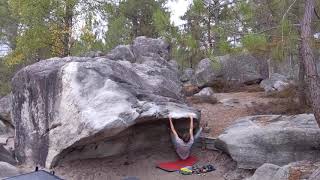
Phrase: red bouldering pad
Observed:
(177, 165)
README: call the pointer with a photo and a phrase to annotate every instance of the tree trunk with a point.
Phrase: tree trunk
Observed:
(215, 20)
(301, 85)
(209, 32)
(309, 61)
(68, 29)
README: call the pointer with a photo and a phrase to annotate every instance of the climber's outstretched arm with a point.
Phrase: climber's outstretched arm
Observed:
(191, 127)
(172, 127)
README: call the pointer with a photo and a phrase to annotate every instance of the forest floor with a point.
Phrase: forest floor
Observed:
(230, 107)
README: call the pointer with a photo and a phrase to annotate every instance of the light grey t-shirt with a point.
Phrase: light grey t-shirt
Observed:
(182, 148)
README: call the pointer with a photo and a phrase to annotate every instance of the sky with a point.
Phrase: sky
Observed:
(178, 8)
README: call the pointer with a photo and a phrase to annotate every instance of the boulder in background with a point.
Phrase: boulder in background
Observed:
(254, 140)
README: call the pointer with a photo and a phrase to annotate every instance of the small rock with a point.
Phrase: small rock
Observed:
(276, 82)
(205, 92)
(265, 172)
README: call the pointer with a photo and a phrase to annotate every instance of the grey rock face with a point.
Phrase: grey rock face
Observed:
(315, 175)
(146, 49)
(122, 52)
(5, 108)
(7, 170)
(6, 124)
(187, 75)
(265, 172)
(174, 64)
(6, 156)
(243, 69)
(73, 108)
(6, 130)
(205, 74)
(301, 170)
(255, 140)
(276, 82)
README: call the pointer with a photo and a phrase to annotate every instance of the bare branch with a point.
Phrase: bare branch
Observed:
(284, 15)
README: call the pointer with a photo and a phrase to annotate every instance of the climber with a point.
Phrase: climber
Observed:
(183, 143)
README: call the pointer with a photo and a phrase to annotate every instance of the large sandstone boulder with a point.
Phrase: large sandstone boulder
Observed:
(276, 82)
(242, 68)
(288, 67)
(255, 140)
(302, 170)
(205, 74)
(76, 108)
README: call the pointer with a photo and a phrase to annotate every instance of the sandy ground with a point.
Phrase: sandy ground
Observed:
(220, 116)
(143, 166)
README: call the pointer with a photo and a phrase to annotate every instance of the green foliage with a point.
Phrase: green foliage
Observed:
(216, 65)
(118, 32)
(88, 40)
(246, 10)
(6, 74)
(131, 18)
(162, 23)
(8, 25)
(46, 29)
(198, 7)
(224, 47)
(255, 42)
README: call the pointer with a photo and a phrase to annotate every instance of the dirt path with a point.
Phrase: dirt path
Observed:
(231, 106)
